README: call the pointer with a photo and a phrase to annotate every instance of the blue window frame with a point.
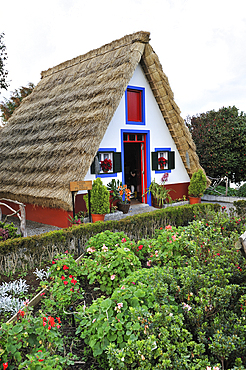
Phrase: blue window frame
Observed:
(163, 152)
(107, 153)
(140, 105)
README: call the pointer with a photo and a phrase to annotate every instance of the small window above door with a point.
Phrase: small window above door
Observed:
(135, 105)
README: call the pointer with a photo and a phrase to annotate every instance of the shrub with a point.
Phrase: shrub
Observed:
(8, 231)
(242, 191)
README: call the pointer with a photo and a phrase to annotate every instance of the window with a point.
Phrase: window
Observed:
(107, 162)
(135, 105)
(163, 160)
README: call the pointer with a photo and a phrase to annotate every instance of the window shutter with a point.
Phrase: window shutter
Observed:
(171, 160)
(93, 167)
(117, 162)
(154, 156)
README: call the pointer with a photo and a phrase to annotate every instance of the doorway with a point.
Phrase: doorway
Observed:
(135, 174)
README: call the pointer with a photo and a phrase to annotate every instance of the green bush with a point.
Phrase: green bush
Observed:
(242, 191)
(198, 184)
(8, 231)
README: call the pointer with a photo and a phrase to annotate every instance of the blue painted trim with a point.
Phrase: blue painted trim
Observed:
(147, 132)
(107, 150)
(106, 174)
(163, 150)
(142, 89)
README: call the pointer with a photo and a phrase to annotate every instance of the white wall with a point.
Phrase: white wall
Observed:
(159, 135)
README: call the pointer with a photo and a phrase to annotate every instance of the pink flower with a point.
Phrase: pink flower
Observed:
(123, 240)
(123, 287)
(174, 237)
(93, 321)
(112, 277)
(149, 263)
(104, 248)
(168, 227)
(66, 252)
(120, 305)
(91, 250)
(133, 283)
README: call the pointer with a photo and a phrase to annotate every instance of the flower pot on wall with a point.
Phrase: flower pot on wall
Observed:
(194, 200)
(124, 207)
(96, 217)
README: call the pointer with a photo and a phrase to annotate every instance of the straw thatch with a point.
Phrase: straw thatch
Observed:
(53, 136)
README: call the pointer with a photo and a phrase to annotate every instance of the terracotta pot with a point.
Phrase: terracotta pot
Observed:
(162, 167)
(194, 200)
(124, 207)
(96, 217)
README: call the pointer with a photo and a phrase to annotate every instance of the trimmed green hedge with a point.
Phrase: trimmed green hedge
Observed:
(31, 251)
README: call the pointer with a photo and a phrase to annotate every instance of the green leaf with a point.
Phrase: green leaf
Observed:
(139, 293)
(106, 304)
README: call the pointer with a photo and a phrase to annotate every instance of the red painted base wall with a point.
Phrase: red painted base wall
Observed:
(49, 216)
(179, 190)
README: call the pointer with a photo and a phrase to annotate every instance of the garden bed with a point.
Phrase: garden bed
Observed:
(176, 300)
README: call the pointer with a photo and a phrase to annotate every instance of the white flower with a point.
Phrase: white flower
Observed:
(104, 248)
(93, 321)
(171, 314)
(208, 368)
(188, 308)
(126, 249)
(90, 250)
(120, 305)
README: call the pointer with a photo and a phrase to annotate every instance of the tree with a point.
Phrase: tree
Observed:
(3, 58)
(8, 106)
(220, 138)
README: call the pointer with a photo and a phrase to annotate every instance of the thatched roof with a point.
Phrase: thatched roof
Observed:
(53, 136)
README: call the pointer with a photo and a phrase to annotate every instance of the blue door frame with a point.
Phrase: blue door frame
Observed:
(147, 154)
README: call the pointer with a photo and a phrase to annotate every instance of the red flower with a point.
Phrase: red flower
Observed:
(73, 281)
(106, 164)
(5, 365)
(53, 262)
(218, 254)
(140, 247)
(63, 277)
(162, 161)
(22, 313)
(65, 282)
(65, 268)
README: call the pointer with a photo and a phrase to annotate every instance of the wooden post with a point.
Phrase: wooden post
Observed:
(81, 185)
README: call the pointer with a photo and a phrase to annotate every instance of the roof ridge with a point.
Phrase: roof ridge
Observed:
(140, 36)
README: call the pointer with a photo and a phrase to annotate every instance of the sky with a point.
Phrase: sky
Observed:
(200, 43)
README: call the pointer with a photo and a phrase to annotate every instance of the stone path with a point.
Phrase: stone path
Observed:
(35, 228)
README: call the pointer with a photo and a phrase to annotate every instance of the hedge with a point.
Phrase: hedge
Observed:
(30, 252)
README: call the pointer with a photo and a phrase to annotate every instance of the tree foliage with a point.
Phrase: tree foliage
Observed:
(3, 58)
(220, 138)
(8, 106)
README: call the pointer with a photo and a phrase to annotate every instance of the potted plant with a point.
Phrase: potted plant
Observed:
(198, 185)
(124, 198)
(99, 200)
(160, 194)
(114, 197)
